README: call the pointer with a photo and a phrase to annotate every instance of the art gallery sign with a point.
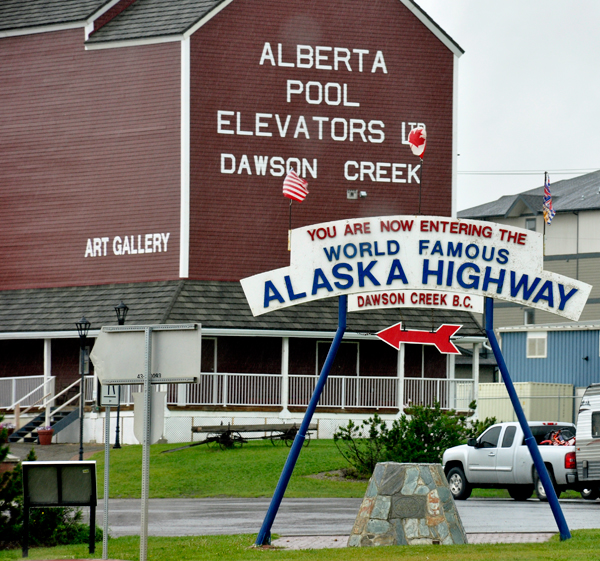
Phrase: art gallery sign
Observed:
(446, 260)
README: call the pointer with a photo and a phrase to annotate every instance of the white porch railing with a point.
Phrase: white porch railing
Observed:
(261, 390)
(346, 391)
(228, 389)
(368, 392)
(450, 394)
(29, 387)
(28, 391)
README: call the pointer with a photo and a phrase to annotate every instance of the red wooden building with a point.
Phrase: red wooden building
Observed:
(143, 152)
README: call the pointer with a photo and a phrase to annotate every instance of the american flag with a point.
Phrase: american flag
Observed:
(295, 187)
(548, 210)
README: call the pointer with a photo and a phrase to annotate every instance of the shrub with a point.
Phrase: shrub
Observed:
(362, 445)
(47, 526)
(11, 499)
(423, 436)
(420, 437)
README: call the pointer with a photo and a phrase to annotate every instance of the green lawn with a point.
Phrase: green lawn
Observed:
(253, 471)
(584, 546)
(250, 471)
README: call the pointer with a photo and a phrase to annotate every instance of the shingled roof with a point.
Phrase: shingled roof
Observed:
(146, 19)
(214, 304)
(142, 19)
(150, 19)
(22, 14)
(568, 195)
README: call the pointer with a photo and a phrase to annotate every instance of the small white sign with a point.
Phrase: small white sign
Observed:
(109, 396)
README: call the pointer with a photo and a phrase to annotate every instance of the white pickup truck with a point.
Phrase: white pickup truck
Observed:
(500, 459)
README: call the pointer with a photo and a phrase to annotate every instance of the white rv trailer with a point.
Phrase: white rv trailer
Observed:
(588, 438)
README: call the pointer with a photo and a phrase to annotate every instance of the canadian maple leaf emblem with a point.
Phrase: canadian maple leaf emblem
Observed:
(417, 139)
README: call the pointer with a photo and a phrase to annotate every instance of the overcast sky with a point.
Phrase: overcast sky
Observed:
(529, 91)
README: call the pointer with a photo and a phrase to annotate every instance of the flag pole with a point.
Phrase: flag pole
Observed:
(295, 189)
(290, 229)
(544, 219)
(420, 184)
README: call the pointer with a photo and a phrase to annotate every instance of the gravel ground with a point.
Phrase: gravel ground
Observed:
(54, 452)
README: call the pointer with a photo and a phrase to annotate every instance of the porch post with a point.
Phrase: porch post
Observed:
(476, 377)
(453, 394)
(47, 376)
(181, 394)
(285, 378)
(400, 373)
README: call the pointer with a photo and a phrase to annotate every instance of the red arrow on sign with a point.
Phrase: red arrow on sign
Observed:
(395, 335)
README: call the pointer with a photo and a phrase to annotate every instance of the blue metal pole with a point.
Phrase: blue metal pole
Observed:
(264, 536)
(538, 462)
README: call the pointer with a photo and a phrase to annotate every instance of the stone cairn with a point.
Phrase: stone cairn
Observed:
(407, 504)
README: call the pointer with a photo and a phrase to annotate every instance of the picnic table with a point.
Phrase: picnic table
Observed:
(234, 436)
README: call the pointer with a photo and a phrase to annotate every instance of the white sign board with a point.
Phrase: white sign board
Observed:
(119, 354)
(109, 396)
(424, 253)
(437, 299)
(157, 416)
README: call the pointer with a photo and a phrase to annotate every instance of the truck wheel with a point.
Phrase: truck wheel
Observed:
(590, 494)
(459, 486)
(520, 492)
(539, 488)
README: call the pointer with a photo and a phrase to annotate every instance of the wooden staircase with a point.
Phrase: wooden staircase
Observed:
(58, 421)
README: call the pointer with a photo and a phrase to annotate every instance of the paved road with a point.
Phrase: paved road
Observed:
(177, 517)
(304, 517)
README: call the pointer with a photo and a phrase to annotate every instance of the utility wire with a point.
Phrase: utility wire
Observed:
(529, 172)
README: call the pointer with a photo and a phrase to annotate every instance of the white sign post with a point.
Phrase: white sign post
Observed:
(155, 354)
(106, 480)
(108, 397)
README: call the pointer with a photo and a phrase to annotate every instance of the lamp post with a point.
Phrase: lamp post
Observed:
(83, 326)
(121, 311)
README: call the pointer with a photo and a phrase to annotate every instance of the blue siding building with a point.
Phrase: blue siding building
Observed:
(565, 353)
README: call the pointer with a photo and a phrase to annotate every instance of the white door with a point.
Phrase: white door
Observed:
(482, 460)
(505, 457)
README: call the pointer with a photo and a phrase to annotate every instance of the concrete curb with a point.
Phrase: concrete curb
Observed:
(322, 542)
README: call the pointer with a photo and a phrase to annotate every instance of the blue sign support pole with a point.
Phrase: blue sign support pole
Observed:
(264, 536)
(565, 534)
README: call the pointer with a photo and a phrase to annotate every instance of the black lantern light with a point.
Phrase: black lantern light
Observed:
(121, 311)
(83, 327)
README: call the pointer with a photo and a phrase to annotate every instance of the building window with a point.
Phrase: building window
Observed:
(536, 344)
(530, 224)
(86, 361)
(346, 361)
(596, 424)
(209, 354)
(529, 317)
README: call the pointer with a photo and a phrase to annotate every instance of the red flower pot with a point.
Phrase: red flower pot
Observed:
(45, 436)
